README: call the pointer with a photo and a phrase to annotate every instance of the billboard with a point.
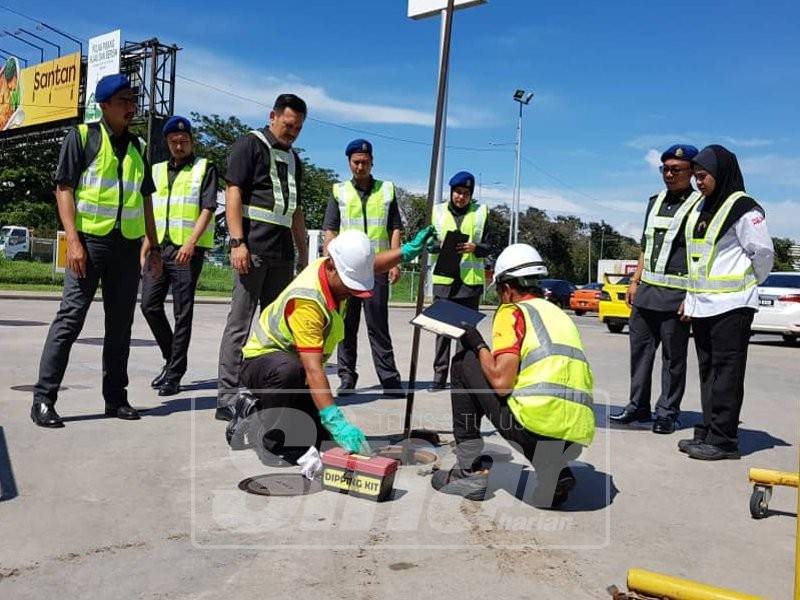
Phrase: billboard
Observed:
(39, 94)
(103, 60)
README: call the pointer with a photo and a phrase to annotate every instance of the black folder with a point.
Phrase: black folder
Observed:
(448, 264)
(444, 317)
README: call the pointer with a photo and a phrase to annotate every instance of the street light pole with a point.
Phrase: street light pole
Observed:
(523, 98)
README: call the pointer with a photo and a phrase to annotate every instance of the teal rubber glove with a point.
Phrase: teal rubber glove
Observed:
(344, 433)
(412, 249)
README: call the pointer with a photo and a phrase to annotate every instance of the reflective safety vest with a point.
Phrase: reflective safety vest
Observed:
(655, 264)
(706, 273)
(176, 207)
(473, 224)
(106, 184)
(351, 211)
(271, 333)
(552, 394)
(284, 206)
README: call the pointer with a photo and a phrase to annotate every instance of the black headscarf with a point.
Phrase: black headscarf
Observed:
(723, 166)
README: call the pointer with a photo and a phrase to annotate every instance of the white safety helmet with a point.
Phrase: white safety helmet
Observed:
(518, 261)
(354, 258)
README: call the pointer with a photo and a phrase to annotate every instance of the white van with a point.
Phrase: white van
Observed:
(15, 242)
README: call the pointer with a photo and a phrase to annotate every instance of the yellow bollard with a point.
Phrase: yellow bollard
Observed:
(673, 588)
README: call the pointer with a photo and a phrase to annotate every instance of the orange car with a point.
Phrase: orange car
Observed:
(586, 299)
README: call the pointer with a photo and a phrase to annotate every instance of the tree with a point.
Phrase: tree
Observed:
(783, 257)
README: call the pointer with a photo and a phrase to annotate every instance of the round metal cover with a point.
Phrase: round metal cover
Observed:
(21, 323)
(408, 457)
(98, 341)
(280, 484)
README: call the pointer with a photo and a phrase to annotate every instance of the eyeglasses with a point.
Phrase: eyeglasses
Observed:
(672, 169)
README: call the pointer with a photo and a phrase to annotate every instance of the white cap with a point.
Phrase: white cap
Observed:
(519, 260)
(354, 259)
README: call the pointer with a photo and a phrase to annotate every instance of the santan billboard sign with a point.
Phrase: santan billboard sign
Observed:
(39, 94)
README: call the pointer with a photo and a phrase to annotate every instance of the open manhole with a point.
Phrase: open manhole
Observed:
(280, 484)
(409, 455)
(494, 451)
(98, 341)
(21, 323)
(30, 387)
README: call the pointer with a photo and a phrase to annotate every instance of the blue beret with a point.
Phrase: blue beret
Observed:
(110, 85)
(679, 151)
(463, 179)
(358, 146)
(177, 123)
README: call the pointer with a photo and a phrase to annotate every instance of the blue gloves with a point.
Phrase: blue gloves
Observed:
(344, 433)
(412, 249)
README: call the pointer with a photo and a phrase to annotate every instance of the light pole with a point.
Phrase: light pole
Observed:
(523, 98)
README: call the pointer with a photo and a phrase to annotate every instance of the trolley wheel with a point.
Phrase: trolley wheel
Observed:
(759, 503)
(580, 313)
(615, 326)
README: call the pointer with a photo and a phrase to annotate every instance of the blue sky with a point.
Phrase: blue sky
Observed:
(615, 84)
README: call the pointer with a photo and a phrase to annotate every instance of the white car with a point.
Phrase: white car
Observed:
(779, 306)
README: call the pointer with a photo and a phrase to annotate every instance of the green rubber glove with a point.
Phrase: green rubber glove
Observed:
(412, 249)
(344, 433)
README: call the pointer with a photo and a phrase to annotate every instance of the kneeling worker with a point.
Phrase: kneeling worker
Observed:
(535, 387)
(284, 360)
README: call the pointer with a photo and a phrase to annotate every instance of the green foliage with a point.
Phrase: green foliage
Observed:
(26, 177)
(317, 189)
(42, 217)
(783, 258)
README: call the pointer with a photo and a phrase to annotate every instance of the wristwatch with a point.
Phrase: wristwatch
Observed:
(236, 242)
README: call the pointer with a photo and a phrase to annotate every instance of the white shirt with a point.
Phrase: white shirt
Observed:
(746, 242)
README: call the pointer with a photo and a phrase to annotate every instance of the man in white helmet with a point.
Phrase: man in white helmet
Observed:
(284, 360)
(535, 386)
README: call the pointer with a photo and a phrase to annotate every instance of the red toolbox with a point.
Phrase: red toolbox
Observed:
(370, 477)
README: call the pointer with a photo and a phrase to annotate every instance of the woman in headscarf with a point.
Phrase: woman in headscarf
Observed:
(729, 253)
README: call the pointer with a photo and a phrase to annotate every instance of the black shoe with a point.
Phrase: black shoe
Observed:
(437, 386)
(347, 388)
(160, 378)
(169, 388)
(123, 411)
(703, 451)
(236, 431)
(470, 485)
(223, 413)
(564, 485)
(684, 445)
(45, 415)
(629, 416)
(664, 425)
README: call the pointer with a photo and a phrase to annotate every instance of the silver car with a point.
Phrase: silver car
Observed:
(779, 306)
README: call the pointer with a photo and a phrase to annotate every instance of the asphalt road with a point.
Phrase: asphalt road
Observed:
(152, 509)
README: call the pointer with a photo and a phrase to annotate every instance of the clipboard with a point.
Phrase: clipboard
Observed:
(448, 264)
(444, 317)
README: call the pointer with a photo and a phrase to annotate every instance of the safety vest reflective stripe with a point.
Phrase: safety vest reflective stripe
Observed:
(546, 346)
(275, 317)
(176, 208)
(702, 254)
(556, 390)
(109, 212)
(473, 224)
(283, 207)
(351, 211)
(654, 274)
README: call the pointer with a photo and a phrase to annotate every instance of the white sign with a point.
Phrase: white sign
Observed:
(419, 9)
(103, 60)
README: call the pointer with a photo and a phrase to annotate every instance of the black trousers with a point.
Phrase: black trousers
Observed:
(113, 261)
(376, 314)
(650, 329)
(721, 342)
(441, 359)
(473, 398)
(278, 381)
(183, 281)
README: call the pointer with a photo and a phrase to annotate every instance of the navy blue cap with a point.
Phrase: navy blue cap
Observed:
(110, 85)
(463, 179)
(177, 123)
(679, 151)
(358, 146)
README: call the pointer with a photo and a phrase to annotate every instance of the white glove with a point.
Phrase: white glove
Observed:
(310, 463)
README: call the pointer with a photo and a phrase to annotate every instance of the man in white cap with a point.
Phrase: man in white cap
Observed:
(535, 386)
(284, 360)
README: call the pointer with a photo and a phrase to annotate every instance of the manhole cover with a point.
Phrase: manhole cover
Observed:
(279, 484)
(408, 457)
(21, 323)
(97, 341)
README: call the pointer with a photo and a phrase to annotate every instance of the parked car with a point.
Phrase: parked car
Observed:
(557, 291)
(15, 242)
(779, 306)
(613, 310)
(586, 298)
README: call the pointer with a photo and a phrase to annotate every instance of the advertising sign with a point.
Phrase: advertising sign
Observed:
(39, 94)
(60, 255)
(103, 60)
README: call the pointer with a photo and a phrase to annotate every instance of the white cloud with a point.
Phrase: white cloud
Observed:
(662, 140)
(779, 169)
(653, 158)
(545, 199)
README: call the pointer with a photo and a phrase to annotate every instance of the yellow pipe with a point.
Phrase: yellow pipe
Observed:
(797, 547)
(673, 588)
(770, 477)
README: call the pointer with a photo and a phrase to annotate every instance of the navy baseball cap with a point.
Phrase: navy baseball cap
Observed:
(679, 151)
(358, 145)
(110, 85)
(175, 124)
